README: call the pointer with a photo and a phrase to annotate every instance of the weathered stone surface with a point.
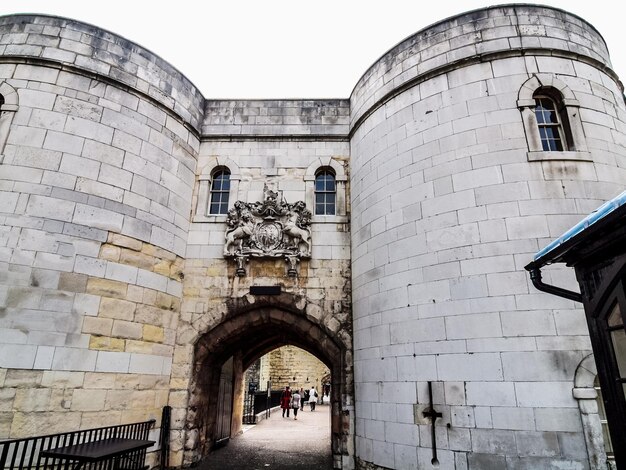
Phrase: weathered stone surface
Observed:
(115, 297)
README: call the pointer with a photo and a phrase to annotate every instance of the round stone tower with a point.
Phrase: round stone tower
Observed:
(474, 143)
(98, 148)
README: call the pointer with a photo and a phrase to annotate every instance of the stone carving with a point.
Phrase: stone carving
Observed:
(268, 229)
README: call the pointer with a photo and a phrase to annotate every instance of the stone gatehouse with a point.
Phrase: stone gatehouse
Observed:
(154, 244)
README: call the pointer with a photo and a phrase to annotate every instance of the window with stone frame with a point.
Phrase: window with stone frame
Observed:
(220, 191)
(551, 118)
(325, 192)
(214, 197)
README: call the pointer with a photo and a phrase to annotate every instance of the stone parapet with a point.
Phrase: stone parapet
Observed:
(477, 36)
(67, 42)
(280, 118)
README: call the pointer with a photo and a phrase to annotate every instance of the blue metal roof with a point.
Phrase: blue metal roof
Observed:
(601, 212)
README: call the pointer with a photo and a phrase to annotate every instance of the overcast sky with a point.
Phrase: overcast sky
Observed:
(286, 48)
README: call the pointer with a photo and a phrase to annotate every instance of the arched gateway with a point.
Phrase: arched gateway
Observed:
(250, 328)
(153, 243)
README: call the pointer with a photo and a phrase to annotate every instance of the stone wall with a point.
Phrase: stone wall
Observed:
(292, 366)
(448, 207)
(265, 150)
(116, 297)
(96, 178)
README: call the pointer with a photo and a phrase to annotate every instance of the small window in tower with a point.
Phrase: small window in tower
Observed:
(325, 192)
(220, 189)
(549, 122)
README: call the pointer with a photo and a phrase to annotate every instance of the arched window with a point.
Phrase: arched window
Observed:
(549, 123)
(220, 189)
(325, 192)
(551, 118)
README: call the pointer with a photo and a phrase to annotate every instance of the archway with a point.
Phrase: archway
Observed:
(245, 334)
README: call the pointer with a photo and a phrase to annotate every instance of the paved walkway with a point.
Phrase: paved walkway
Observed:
(279, 444)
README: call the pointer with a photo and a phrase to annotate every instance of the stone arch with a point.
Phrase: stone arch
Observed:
(540, 80)
(569, 112)
(250, 328)
(9, 101)
(585, 393)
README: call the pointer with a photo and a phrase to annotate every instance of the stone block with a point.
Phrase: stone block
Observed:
(459, 439)
(97, 326)
(147, 364)
(72, 282)
(88, 400)
(107, 288)
(71, 146)
(478, 461)
(153, 334)
(18, 356)
(34, 399)
(112, 361)
(545, 394)
(105, 343)
(405, 456)
(36, 99)
(496, 441)
(540, 365)
(474, 367)
(31, 424)
(58, 379)
(127, 330)
(480, 325)
(558, 419)
(490, 393)
(43, 359)
(74, 359)
(462, 416)
(96, 188)
(121, 272)
(99, 218)
(51, 208)
(90, 266)
(151, 280)
(513, 418)
(117, 309)
(537, 444)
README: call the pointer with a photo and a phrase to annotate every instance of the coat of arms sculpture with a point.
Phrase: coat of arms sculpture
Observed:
(268, 229)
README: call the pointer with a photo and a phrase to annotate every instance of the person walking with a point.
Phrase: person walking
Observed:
(285, 400)
(304, 398)
(312, 398)
(295, 403)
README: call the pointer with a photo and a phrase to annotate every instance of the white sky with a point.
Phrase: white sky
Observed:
(286, 48)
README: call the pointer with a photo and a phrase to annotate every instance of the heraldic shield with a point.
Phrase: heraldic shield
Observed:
(268, 229)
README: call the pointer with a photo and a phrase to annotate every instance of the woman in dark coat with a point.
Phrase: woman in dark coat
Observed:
(285, 401)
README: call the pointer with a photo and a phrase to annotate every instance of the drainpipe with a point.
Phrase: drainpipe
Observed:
(535, 276)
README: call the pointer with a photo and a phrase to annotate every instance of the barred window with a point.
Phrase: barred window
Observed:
(325, 192)
(220, 189)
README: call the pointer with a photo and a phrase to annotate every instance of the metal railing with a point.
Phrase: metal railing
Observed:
(24, 454)
(257, 402)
